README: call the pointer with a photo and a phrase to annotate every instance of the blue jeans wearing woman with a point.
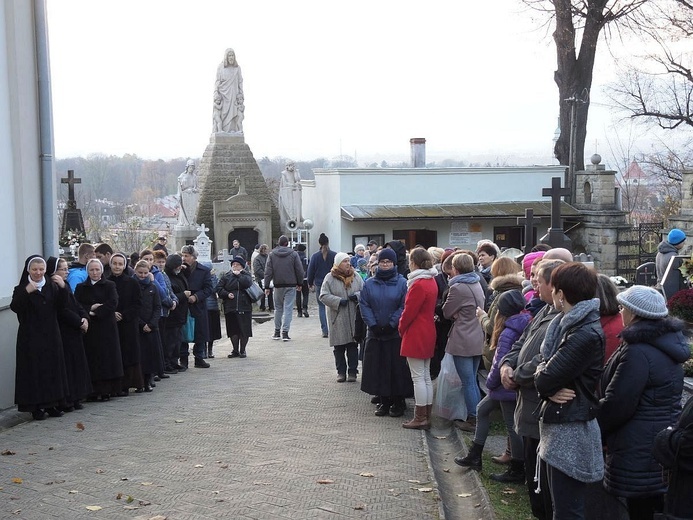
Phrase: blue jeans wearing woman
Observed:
(321, 308)
(466, 369)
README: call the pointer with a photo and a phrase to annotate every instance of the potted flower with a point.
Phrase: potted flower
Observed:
(681, 306)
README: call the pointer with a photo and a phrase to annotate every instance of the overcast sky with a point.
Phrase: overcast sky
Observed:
(321, 78)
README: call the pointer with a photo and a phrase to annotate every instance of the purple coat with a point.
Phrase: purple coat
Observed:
(514, 326)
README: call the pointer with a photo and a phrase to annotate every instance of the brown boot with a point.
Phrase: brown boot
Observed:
(504, 458)
(420, 420)
(428, 414)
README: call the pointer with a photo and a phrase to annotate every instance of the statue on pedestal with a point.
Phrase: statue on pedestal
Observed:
(290, 195)
(228, 96)
(188, 194)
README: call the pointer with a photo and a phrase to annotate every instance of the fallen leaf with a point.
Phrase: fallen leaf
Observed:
(360, 507)
(219, 500)
(51, 448)
(59, 481)
(446, 470)
(129, 499)
(73, 492)
(325, 481)
(224, 466)
(178, 421)
(123, 478)
(99, 471)
(48, 483)
(119, 496)
(144, 503)
(199, 465)
(80, 426)
(158, 517)
(509, 491)
(414, 481)
(477, 505)
(17, 480)
(130, 508)
(365, 474)
(147, 483)
(440, 437)
(7, 452)
(261, 483)
(94, 508)
(425, 490)
(16, 511)
(504, 502)
(464, 495)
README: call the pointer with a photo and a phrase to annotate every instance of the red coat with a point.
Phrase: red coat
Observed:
(612, 327)
(416, 325)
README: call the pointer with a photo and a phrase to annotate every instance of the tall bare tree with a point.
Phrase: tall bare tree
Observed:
(578, 26)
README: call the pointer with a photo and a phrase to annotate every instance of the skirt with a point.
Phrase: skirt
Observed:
(214, 319)
(239, 324)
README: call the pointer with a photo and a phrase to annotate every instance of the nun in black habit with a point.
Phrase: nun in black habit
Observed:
(100, 299)
(40, 381)
(74, 323)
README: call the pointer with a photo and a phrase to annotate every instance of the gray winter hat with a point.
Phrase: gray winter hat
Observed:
(643, 301)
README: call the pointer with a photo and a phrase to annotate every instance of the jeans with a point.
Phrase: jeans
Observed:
(352, 358)
(302, 297)
(483, 423)
(421, 377)
(466, 369)
(567, 495)
(284, 298)
(321, 308)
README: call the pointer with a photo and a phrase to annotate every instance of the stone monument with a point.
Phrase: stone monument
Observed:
(185, 230)
(229, 177)
(72, 215)
(290, 198)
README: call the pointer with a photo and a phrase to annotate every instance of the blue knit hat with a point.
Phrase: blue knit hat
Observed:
(388, 254)
(676, 236)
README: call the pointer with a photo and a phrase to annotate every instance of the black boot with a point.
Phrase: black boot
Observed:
(183, 363)
(383, 407)
(210, 354)
(515, 474)
(473, 458)
(398, 407)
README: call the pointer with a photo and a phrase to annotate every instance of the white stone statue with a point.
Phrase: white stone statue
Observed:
(188, 194)
(290, 195)
(228, 96)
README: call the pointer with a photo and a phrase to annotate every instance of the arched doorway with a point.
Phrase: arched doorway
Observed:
(248, 237)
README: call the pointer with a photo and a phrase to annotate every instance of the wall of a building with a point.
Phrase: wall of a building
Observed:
(20, 198)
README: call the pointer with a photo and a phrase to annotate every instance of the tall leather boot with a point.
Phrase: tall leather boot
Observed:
(505, 457)
(429, 415)
(420, 420)
(183, 361)
(515, 474)
(473, 458)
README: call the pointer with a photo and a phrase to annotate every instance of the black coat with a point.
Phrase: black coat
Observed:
(150, 312)
(200, 284)
(76, 365)
(235, 284)
(101, 342)
(41, 379)
(641, 395)
(129, 304)
(178, 316)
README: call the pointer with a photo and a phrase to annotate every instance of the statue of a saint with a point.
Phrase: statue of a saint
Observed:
(187, 195)
(290, 195)
(228, 96)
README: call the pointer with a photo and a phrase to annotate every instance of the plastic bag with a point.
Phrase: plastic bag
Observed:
(188, 330)
(449, 402)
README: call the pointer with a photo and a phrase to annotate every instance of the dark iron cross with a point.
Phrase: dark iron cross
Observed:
(529, 222)
(555, 192)
(71, 180)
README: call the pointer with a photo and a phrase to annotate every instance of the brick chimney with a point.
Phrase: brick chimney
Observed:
(418, 152)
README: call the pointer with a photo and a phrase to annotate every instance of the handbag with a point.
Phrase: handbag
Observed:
(254, 292)
(188, 330)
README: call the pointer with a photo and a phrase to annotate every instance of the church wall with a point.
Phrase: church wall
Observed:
(20, 201)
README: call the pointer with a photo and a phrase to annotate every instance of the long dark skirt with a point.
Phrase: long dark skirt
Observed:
(239, 324)
(385, 372)
(76, 366)
(214, 319)
(150, 352)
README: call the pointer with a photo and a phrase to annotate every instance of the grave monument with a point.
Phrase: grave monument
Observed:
(233, 195)
(72, 215)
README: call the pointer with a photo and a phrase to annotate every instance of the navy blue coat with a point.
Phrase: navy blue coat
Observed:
(382, 301)
(641, 395)
(200, 284)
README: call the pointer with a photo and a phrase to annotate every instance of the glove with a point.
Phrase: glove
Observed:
(343, 302)
(387, 330)
(354, 298)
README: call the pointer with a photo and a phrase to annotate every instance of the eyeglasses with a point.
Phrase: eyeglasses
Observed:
(385, 261)
(620, 308)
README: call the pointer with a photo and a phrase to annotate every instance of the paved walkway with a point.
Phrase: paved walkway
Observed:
(246, 438)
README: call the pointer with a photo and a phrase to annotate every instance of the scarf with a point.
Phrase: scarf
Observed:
(564, 321)
(420, 274)
(386, 274)
(468, 278)
(345, 279)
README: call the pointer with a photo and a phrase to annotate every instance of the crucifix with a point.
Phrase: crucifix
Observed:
(71, 180)
(555, 237)
(529, 221)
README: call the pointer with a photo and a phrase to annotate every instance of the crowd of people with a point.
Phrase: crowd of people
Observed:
(588, 379)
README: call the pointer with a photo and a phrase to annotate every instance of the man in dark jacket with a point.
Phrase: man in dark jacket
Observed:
(285, 270)
(199, 288)
(517, 373)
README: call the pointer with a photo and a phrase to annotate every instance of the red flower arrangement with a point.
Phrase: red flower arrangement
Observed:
(681, 305)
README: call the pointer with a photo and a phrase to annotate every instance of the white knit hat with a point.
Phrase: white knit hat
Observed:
(643, 301)
(339, 258)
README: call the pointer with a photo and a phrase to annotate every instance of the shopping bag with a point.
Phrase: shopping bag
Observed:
(449, 402)
(254, 292)
(189, 330)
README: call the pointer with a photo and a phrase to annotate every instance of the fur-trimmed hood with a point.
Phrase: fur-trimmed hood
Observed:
(506, 282)
(666, 335)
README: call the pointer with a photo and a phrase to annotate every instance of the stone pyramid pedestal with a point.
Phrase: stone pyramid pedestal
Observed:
(248, 215)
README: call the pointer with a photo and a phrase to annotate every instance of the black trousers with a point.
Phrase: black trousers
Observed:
(302, 297)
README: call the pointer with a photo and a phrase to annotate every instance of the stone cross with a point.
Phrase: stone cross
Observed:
(202, 229)
(555, 192)
(529, 221)
(71, 180)
(224, 261)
